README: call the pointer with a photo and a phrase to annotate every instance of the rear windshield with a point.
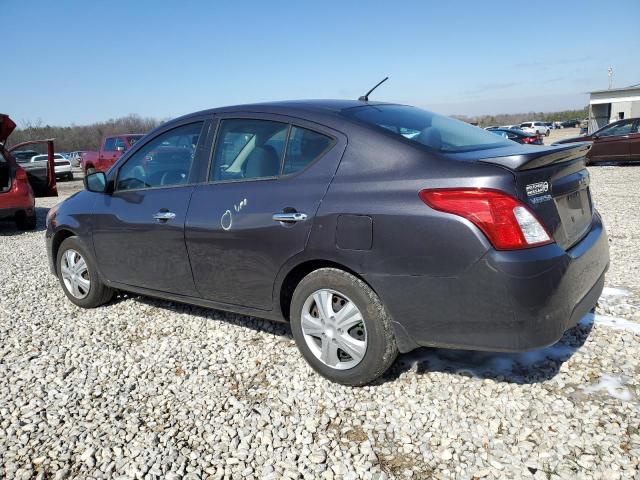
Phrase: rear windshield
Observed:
(437, 132)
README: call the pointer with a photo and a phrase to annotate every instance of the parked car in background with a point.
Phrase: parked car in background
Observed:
(518, 136)
(62, 165)
(617, 142)
(111, 150)
(24, 156)
(372, 228)
(574, 123)
(538, 128)
(18, 187)
(551, 125)
(75, 158)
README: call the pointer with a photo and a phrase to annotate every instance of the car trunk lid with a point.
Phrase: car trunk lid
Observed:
(554, 183)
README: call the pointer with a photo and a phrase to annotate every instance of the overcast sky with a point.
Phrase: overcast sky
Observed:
(75, 62)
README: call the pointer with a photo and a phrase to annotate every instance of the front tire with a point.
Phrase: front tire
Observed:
(341, 327)
(79, 277)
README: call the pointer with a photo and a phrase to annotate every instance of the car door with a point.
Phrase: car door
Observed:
(266, 181)
(108, 153)
(634, 142)
(138, 229)
(611, 143)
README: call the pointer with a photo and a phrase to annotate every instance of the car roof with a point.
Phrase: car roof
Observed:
(301, 108)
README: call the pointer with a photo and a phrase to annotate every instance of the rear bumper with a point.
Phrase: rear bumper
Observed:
(507, 301)
(14, 201)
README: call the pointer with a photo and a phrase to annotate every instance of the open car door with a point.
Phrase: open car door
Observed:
(41, 177)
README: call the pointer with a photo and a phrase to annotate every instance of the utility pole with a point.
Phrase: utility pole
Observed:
(610, 72)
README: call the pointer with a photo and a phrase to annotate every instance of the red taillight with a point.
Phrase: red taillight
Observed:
(529, 139)
(21, 175)
(507, 222)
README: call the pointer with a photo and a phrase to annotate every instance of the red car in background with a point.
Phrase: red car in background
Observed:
(617, 142)
(111, 150)
(19, 187)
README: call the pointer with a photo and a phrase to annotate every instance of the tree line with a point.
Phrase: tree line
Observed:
(515, 118)
(82, 137)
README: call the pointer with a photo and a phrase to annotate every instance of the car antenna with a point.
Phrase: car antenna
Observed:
(365, 97)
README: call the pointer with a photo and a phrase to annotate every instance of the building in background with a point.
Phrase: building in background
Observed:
(606, 106)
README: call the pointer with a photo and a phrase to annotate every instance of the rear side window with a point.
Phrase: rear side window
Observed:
(165, 161)
(248, 149)
(437, 132)
(303, 148)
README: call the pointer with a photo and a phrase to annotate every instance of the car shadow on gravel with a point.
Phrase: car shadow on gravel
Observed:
(8, 226)
(520, 368)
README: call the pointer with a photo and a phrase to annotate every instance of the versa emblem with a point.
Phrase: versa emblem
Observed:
(537, 188)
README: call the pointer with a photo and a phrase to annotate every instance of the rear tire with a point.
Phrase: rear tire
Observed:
(371, 335)
(70, 176)
(79, 277)
(26, 222)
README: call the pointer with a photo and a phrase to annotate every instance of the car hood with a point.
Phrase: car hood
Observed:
(6, 127)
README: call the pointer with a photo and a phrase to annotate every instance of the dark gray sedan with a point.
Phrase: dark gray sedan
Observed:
(372, 228)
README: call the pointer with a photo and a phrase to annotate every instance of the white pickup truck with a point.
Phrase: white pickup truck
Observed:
(538, 128)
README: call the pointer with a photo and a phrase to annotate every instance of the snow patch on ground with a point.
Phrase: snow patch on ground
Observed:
(614, 386)
(615, 292)
(617, 323)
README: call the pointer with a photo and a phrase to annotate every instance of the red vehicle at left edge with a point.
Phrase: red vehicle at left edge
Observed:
(19, 187)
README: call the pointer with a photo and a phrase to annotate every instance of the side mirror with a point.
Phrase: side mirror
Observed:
(96, 182)
(120, 148)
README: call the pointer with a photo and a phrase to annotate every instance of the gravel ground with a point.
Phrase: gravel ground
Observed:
(146, 388)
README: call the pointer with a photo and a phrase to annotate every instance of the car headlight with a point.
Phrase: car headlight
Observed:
(51, 214)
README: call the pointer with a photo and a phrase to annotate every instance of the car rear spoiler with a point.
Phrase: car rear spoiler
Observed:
(537, 158)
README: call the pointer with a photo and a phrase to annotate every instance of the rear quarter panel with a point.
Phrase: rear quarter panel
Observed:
(380, 178)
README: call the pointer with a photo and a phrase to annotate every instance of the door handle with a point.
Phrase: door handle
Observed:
(164, 215)
(289, 217)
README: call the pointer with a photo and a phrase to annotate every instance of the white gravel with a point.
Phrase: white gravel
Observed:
(145, 388)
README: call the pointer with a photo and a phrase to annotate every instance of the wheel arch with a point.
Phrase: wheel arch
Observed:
(56, 240)
(301, 270)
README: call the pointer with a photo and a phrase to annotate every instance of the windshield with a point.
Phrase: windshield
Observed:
(435, 131)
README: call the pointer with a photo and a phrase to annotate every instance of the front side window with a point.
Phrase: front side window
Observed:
(163, 162)
(623, 128)
(303, 148)
(437, 132)
(119, 143)
(248, 149)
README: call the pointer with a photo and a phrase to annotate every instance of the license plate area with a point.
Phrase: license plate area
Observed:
(575, 212)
